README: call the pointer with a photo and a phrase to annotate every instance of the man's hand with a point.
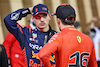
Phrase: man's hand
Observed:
(31, 8)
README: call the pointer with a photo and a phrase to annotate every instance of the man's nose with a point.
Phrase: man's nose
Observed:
(42, 19)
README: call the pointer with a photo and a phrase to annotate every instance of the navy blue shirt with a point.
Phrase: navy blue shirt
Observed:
(31, 41)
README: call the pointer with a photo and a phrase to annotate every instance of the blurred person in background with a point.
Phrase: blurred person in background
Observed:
(89, 26)
(77, 25)
(3, 56)
(95, 36)
(13, 49)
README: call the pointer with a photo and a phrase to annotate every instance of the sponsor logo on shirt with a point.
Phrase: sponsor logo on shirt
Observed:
(72, 29)
(79, 39)
(37, 47)
(53, 38)
(34, 35)
(32, 39)
(35, 55)
(15, 16)
(24, 11)
(33, 64)
(17, 55)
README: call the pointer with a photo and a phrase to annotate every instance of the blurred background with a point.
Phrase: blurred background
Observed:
(85, 11)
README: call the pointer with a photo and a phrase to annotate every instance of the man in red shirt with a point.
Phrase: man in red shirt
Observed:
(13, 49)
(71, 47)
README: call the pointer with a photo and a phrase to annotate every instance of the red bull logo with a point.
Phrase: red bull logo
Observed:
(32, 64)
(52, 58)
(35, 55)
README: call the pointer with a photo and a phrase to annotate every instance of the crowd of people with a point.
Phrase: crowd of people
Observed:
(38, 45)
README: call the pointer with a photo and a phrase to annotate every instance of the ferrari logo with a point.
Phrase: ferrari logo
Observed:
(79, 39)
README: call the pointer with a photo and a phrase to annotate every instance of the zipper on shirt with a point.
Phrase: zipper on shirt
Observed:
(45, 39)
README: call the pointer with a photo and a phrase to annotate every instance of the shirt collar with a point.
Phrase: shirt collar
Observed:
(68, 28)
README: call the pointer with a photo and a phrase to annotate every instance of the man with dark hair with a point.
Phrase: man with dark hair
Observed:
(31, 40)
(71, 47)
(16, 58)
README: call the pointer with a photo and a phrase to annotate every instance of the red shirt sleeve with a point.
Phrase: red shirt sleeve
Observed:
(92, 61)
(8, 42)
(47, 50)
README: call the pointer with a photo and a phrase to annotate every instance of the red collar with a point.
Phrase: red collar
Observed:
(68, 28)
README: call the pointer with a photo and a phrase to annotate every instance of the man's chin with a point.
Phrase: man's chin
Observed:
(41, 27)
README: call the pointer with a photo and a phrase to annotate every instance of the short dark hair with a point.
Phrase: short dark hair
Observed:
(67, 14)
(69, 20)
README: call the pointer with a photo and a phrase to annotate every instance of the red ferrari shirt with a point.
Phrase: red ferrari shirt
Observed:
(71, 48)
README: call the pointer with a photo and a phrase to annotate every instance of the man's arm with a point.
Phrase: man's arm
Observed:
(12, 25)
(51, 47)
(92, 61)
(8, 42)
(11, 19)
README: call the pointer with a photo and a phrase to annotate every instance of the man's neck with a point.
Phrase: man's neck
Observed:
(66, 26)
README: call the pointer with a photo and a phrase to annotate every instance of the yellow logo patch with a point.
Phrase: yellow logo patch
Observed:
(79, 39)
(35, 55)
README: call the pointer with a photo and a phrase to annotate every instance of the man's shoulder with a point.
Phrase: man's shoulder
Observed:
(54, 31)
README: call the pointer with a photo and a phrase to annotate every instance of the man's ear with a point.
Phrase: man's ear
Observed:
(75, 20)
(58, 20)
(50, 16)
(33, 18)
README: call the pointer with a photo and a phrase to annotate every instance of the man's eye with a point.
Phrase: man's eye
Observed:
(38, 17)
(44, 16)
